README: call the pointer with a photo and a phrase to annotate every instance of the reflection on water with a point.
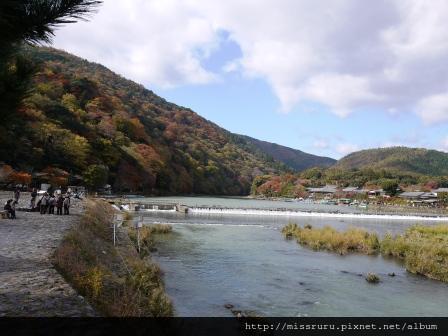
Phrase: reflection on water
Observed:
(213, 260)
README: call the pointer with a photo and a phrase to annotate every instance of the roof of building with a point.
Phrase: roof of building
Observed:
(440, 190)
(350, 189)
(376, 191)
(425, 201)
(325, 189)
(428, 195)
(412, 194)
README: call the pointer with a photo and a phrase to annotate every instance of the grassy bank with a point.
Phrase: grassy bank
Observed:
(146, 237)
(117, 281)
(327, 238)
(424, 249)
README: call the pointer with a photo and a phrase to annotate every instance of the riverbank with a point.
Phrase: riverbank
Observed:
(30, 286)
(116, 280)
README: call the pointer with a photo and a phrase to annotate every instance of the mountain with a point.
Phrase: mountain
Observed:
(293, 158)
(83, 121)
(403, 159)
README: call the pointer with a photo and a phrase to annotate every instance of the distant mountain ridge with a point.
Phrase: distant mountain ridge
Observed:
(386, 168)
(293, 158)
(404, 159)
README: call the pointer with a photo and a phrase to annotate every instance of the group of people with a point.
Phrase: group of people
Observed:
(44, 204)
(49, 201)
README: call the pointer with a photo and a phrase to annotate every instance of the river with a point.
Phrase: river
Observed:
(211, 260)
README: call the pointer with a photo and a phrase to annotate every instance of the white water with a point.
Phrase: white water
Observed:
(256, 212)
(158, 210)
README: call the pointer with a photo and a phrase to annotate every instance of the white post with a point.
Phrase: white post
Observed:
(138, 225)
(114, 233)
(138, 239)
(117, 221)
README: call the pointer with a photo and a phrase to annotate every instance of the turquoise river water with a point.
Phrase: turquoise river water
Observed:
(213, 259)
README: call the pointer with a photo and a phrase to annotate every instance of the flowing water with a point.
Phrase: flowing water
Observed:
(211, 260)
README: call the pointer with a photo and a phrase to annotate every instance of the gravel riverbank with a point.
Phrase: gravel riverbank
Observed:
(29, 284)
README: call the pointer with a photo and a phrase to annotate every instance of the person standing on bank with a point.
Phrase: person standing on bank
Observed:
(16, 195)
(33, 199)
(51, 204)
(59, 204)
(66, 205)
(13, 209)
(43, 204)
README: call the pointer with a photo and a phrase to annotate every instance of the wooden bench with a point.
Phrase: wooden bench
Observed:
(3, 214)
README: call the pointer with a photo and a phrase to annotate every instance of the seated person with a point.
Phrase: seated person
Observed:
(10, 208)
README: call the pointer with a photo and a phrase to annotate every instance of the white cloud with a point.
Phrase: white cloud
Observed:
(445, 144)
(346, 148)
(339, 92)
(433, 109)
(410, 138)
(321, 144)
(348, 54)
(231, 67)
(153, 42)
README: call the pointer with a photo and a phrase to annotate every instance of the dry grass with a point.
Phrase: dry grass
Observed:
(372, 278)
(160, 228)
(424, 250)
(115, 280)
(327, 238)
(127, 218)
(146, 242)
(146, 237)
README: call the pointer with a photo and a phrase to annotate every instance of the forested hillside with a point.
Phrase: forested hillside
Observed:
(293, 158)
(386, 168)
(404, 159)
(93, 124)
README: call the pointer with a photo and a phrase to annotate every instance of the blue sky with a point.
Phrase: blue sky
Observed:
(248, 106)
(328, 82)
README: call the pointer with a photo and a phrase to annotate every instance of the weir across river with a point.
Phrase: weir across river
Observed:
(296, 210)
(153, 205)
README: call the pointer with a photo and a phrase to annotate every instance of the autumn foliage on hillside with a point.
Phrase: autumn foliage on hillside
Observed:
(84, 119)
(295, 185)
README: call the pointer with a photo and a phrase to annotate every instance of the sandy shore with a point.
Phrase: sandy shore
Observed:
(29, 284)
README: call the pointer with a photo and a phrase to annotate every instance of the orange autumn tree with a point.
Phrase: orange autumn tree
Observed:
(5, 173)
(20, 178)
(56, 176)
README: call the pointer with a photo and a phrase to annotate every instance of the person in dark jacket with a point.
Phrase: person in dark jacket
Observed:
(33, 199)
(66, 205)
(11, 212)
(51, 204)
(59, 204)
(13, 208)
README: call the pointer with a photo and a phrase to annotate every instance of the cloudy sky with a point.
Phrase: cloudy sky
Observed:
(327, 77)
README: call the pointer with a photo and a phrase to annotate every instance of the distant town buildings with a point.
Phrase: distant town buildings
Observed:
(413, 197)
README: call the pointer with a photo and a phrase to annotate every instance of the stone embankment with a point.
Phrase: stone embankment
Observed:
(29, 284)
